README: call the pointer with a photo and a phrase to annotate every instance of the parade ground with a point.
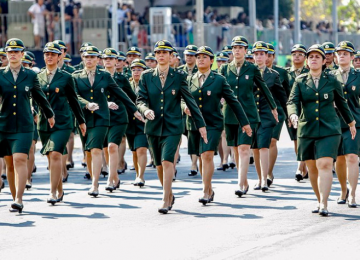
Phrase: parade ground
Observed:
(125, 224)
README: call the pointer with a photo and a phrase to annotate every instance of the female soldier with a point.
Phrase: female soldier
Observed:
(347, 162)
(135, 133)
(242, 76)
(118, 119)
(92, 84)
(159, 96)
(58, 87)
(319, 132)
(267, 122)
(16, 119)
(207, 89)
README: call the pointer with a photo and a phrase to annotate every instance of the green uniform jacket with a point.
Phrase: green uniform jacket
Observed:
(284, 79)
(185, 68)
(127, 72)
(68, 69)
(135, 126)
(120, 116)
(15, 110)
(97, 94)
(208, 99)
(315, 107)
(272, 80)
(292, 75)
(243, 85)
(63, 99)
(351, 93)
(165, 102)
(80, 66)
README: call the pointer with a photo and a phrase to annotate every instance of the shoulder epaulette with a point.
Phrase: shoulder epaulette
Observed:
(148, 71)
(77, 71)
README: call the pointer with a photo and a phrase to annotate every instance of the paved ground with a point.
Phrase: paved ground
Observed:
(126, 225)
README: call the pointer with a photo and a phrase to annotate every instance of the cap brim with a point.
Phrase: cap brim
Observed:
(300, 50)
(133, 52)
(205, 53)
(90, 54)
(222, 59)
(329, 51)
(315, 50)
(150, 58)
(163, 49)
(239, 44)
(260, 49)
(14, 49)
(344, 49)
(187, 52)
(121, 58)
(50, 50)
(108, 56)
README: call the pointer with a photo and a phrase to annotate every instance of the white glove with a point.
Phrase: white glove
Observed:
(92, 106)
(294, 120)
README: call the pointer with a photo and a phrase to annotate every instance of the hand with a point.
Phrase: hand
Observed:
(187, 111)
(222, 101)
(92, 106)
(83, 128)
(113, 106)
(275, 114)
(247, 129)
(353, 129)
(294, 120)
(138, 116)
(203, 134)
(149, 114)
(36, 118)
(51, 122)
(289, 122)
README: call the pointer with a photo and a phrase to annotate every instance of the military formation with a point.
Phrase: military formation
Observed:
(233, 103)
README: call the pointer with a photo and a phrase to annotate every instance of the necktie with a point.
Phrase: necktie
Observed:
(345, 75)
(297, 72)
(316, 82)
(162, 78)
(201, 80)
(262, 72)
(15, 74)
(91, 77)
(49, 77)
(190, 72)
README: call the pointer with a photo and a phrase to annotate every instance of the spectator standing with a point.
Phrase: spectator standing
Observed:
(135, 28)
(37, 12)
(69, 15)
(77, 30)
(189, 27)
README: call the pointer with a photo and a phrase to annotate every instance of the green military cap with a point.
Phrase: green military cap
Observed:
(190, 49)
(175, 52)
(26, 59)
(205, 50)
(345, 46)
(134, 50)
(150, 56)
(32, 55)
(91, 51)
(298, 47)
(2, 52)
(67, 58)
(227, 49)
(138, 63)
(109, 53)
(260, 46)
(121, 55)
(84, 45)
(163, 45)
(14, 44)
(357, 55)
(222, 56)
(239, 41)
(271, 49)
(52, 47)
(249, 55)
(316, 48)
(61, 43)
(328, 47)
(100, 54)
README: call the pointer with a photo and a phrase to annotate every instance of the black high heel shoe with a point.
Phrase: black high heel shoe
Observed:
(204, 201)
(117, 186)
(299, 177)
(51, 201)
(61, 198)
(141, 184)
(239, 193)
(316, 210)
(352, 205)
(225, 167)
(269, 182)
(174, 179)
(109, 188)
(212, 197)
(120, 171)
(179, 159)
(323, 212)
(232, 165)
(172, 203)
(163, 210)
(257, 187)
(28, 185)
(66, 178)
(343, 201)
(264, 189)
(83, 164)
(150, 165)
(192, 173)
(125, 165)
(34, 169)
(17, 206)
(306, 176)
(3, 176)
(87, 176)
(251, 160)
(104, 173)
(2, 186)
(246, 190)
(93, 193)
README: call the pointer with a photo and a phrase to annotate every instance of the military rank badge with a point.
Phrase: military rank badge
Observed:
(102, 90)
(326, 96)
(353, 88)
(173, 91)
(208, 92)
(246, 77)
(26, 88)
(57, 90)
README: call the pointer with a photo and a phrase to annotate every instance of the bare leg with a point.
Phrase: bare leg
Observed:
(136, 166)
(194, 159)
(20, 166)
(55, 167)
(142, 160)
(88, 162)
(207, 172)
(10, 172)
(70, 148)
(341, 170)
(256, 155)
(160, 173)
(31, 162)
(112, 155)
(243, 165)
(226, 149)
(352, 162)
(313, 175)
(235, 152)
(273, 153)
(122, 150)
(264, 163)
(324, 166)
(168, 175)
(96, 156)
(63, 163)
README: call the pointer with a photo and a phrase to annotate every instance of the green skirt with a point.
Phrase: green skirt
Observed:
(196, 144)
(315, 148)
(11, 143)
(94, 137)
(163, 148)
(54, 141)
(235, 136)
(115, 134)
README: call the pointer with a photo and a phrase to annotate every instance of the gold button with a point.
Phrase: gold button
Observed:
(258, 89)
(258, 110)
(14, 105)
(14, 113)
(345, 92)
(257, 103)
(257, 96)
(317, 94)
(199, 91)
(133, 118)
(162, 93)
(91, 90)
(236, 87)
(200, 106)
(162, 115)
(162, 100)
(316, 110)
(161, 108)
(14, 96)
(14, 86)
(47, 94)
(235, 96)
(92, 112)
(237, 77)
(317, 118)
(200, 98)
(317, 101)
(91, 97)
(108, 96)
